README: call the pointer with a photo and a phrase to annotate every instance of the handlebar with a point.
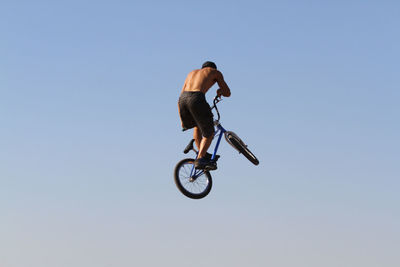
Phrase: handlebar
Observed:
(216, 100)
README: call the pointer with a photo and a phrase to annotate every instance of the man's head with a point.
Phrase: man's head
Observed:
(209, 64)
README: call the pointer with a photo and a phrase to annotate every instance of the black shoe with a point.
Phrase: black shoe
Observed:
(201, 163)
(208, 157)
(204, 164)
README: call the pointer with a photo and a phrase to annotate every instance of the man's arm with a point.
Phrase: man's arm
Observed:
(223, 87)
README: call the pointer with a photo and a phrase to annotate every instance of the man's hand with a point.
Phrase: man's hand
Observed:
(223, 87)
(219, 93)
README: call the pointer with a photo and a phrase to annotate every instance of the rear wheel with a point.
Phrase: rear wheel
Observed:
(240, 146)
(192, 183)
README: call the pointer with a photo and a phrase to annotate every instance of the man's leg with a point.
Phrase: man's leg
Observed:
(204, 145)
(197, 137)
(205, 132)
(203, 162)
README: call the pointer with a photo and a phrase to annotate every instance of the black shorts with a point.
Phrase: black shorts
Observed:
(195, 111)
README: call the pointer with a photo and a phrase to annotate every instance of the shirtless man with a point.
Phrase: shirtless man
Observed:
(196, 113)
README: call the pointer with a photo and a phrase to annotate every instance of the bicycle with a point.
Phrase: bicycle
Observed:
(195, 183)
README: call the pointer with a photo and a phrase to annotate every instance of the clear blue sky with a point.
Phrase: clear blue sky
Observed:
(90, 133)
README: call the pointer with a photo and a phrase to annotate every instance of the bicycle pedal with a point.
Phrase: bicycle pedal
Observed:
(189, 147)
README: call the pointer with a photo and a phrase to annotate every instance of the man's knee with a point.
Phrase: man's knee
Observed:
(208, 132)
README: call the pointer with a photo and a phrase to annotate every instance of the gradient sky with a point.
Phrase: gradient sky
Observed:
(90, 133)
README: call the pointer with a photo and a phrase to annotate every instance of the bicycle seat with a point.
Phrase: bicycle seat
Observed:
(189, 147)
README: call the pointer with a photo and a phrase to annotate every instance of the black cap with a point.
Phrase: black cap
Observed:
(209, 64)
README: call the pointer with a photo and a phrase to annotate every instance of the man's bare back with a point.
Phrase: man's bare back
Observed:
(202, 80)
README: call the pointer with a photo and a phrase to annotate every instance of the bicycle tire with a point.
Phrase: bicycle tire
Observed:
(241, 147)
(182, 187)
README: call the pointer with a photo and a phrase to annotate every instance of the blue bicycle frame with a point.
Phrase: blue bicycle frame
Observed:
(220, 132)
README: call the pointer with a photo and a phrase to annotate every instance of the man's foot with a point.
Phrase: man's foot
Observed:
(205, 164)
(201, 163)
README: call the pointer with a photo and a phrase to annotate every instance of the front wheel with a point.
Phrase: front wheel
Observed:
(192, 183)
(240, 146)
